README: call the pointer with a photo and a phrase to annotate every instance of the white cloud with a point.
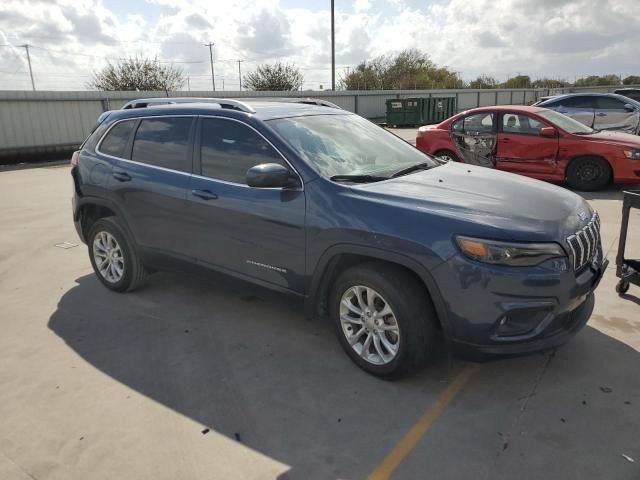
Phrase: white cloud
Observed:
(545, 38)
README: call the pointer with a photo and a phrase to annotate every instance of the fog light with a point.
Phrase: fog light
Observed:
(520, 321)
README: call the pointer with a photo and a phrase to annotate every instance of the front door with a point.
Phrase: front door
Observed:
(255, 232)
(521, 148)
(580, 108)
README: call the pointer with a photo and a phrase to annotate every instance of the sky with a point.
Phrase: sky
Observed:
(70, 39)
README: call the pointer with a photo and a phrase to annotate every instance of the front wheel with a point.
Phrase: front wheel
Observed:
(446, 155)
(589, 174)
(383, 319)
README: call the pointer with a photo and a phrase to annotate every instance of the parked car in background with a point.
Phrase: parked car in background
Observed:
(602, 111)
(543, 99)
(632, 93)
(535, 142)
(397, 248)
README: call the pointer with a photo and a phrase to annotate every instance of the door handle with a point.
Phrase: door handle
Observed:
(601, 114)
(204, 194)
(121, 176)
(506, 139)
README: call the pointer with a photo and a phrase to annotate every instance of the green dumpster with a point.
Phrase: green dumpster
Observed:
(437, 109)
(404, 111)
(418, 111)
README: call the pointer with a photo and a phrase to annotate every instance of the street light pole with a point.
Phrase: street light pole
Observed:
(333, 49)
(213, 80)
(240, 74)
(26, 47)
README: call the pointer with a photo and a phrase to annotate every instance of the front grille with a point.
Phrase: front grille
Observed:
(585, 243)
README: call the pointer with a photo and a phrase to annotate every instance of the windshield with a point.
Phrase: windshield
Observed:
(348, 145)
(566, 123)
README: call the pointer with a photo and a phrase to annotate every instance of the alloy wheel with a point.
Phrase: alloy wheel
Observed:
(108, 257)
(369, 325)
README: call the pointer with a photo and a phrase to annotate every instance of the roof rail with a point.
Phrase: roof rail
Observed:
(223, 102)
(313, 101)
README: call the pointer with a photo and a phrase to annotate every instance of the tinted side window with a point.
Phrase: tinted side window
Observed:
(228, 149)
(164, 142)
(116, 140)
(608, 103)
(579, 102)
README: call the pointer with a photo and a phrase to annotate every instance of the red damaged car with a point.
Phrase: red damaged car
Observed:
(535, 142)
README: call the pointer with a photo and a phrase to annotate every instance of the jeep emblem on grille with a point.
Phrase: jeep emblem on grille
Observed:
(583, 216)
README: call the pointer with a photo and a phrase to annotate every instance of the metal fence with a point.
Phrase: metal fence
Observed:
(48, 122)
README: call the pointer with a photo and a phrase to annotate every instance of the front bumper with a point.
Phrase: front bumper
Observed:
(512, 311)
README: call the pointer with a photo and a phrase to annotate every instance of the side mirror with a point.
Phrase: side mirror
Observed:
(270, 175)
(548, 132)
(628, 107)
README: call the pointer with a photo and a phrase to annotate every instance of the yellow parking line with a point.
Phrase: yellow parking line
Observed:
(405, 446)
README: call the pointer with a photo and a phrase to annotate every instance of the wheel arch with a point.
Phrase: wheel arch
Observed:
(90, 209)
(339, 257)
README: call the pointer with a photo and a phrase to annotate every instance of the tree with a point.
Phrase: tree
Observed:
(483, 81)
(597, 81)
(276, 77)
(631, 80)
(409, 69)
(549, 83)
(137, 74)
(519, 81)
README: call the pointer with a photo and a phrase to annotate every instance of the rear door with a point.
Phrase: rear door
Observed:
(150, 183)
(521, 148)
(581, 108)
(256, 232)
(612, 115)
(474, 137)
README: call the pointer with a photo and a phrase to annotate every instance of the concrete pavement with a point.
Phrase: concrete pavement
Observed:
(204, 377)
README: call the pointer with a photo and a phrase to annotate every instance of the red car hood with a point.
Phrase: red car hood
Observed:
(614, 138)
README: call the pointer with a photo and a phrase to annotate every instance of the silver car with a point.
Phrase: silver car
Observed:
(602, 111)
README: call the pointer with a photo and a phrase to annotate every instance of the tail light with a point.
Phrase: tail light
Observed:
(75, 158)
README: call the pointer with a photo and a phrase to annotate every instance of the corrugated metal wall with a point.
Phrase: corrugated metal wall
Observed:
(49, 121)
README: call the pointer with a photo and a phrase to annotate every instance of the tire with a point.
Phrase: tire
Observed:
(589, 174)
(413, 317)
(447, 154)
(133, 272)
(622, 287)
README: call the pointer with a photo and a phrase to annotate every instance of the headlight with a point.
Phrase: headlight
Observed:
(633, 154)
(505, 253)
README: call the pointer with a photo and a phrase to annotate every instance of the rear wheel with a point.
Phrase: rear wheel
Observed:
(383, 319)
(589, 174)
(113, 258)
(447, 155)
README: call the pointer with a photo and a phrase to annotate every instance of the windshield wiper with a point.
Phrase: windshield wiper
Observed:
(412, 168)
(358, 178)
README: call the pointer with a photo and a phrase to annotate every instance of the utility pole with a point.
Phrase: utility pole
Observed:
(213, 80)
(188, 84)
(240, 74)
(333, 49)
(26, 47)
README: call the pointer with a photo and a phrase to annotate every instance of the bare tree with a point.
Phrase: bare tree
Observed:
(138, 74)
(274, 77)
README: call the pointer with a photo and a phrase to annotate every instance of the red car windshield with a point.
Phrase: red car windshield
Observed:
(566, 123)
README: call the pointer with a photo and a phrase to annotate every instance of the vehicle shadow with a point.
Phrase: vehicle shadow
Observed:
(243, 362)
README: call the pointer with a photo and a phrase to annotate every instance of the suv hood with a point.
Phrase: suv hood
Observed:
(508, 206)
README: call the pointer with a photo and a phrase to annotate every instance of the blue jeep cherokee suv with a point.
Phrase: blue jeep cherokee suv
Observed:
(396, 247)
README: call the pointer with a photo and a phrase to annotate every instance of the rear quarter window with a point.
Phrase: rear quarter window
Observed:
(115, 142)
